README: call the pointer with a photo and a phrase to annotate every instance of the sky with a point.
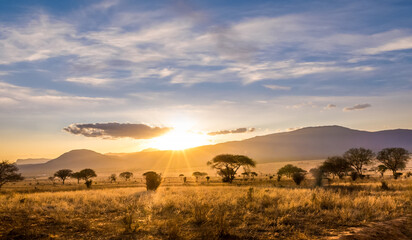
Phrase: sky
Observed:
(123, 76)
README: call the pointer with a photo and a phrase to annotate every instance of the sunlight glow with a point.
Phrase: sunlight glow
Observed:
(179, 139)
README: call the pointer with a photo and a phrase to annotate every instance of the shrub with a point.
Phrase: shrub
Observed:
(88, 183)
(384, 186)
(298, 177)
(153, 180)
(354, 175)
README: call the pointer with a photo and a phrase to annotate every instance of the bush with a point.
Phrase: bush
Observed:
(298, 177)
(354, 175)
(88, 183)
(153, 180)
(384, 186)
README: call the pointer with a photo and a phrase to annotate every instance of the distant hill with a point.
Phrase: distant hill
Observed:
(304, 144)
(31, 161)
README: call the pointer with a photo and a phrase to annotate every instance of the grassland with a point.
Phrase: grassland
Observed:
(260, 209)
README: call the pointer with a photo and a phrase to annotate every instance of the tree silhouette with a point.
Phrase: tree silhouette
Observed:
(336, 165)
(86, 174)
(358, 158)
(197, 175)
(289, 170)
(126, 175)
(228, 164)
(394, 159)
(8, 173)
(77, 175)
(63, 174)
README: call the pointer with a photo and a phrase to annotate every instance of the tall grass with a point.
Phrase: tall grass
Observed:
(203, 212)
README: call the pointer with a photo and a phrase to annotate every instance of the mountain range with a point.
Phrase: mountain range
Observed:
(308, 143)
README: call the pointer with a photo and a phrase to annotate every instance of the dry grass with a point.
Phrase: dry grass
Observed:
(261, 211)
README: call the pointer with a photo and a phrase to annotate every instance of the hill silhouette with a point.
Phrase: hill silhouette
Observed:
(303, 144)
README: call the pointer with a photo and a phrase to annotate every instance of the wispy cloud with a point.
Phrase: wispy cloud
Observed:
(277, 87)
(116, 130)
(394, 45)
(329, 106)
(357, 107)
(238, 130)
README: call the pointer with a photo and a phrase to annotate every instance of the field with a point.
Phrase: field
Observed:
(259, 209)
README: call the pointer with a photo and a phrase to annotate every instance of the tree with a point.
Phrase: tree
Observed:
(8, 173)
(298, 177)
(289, 170)
(336, 165)
(153, 180)
(63, 174)
(113, 177)
(198, 174)
(394, 159)
(382, 169)
(77, 175)
(228, 164)
(126, 175)
(86, 174)
(358, 158)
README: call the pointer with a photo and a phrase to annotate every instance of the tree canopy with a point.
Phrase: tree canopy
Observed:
(336, 165)
(126, 175)
(358, 158)
(63, 174)
(228, 164)
(87, 173)
(8, 173)
(393, 159)
(288, 170)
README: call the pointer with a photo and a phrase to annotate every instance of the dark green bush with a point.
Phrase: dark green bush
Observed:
(153, 180)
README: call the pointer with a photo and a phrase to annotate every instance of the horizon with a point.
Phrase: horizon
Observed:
(124, 76)
(188, 149)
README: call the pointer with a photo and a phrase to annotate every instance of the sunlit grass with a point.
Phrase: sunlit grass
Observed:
(203, 212)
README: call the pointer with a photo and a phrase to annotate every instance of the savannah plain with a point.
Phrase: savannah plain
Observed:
(258, 208)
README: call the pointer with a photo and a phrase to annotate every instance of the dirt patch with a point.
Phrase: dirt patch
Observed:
(400, 229)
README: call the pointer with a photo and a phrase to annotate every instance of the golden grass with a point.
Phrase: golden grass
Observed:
(263, 211)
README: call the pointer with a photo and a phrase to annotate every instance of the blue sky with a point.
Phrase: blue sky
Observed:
(220, 65)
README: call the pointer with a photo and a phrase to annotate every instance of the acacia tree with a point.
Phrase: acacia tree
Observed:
(87, 174)
(63, 174)
(228, 164)
(8, 173)
(336, 165)
(126, 175)
(76, 175)
(358, 158)
(394, 159)
(197, 175)
(288, 170)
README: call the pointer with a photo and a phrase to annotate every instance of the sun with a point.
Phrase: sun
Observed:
(180, 137)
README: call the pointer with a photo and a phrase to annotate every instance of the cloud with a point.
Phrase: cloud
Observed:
(89, 80)
(238, 130)
(398, 44)
(357, 107)
(116, 130)
(277, 87)
(330, 106)
(16, 97)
